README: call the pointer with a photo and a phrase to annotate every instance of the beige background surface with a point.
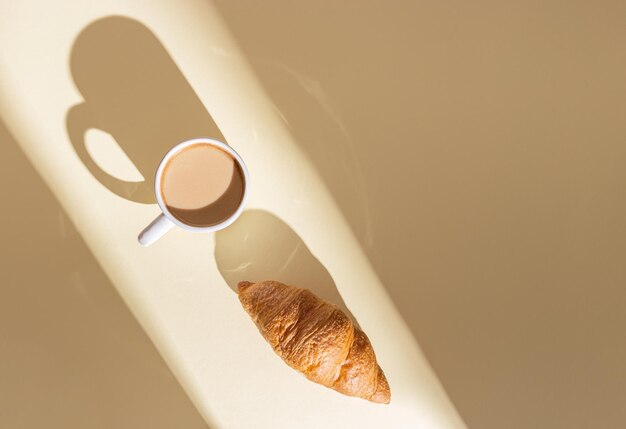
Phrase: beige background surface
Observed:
(71, 353)
(478, 151)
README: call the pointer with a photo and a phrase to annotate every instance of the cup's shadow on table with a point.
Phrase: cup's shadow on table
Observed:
(134, 91)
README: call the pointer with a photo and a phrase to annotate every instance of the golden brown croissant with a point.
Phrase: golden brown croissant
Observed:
(316, 338)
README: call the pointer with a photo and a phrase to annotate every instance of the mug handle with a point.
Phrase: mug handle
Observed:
(157, 229)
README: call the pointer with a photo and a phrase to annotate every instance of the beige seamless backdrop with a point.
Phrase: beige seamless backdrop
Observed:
(478, 150)
(464, 159)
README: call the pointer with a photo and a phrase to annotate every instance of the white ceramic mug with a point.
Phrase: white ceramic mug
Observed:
(166, 221)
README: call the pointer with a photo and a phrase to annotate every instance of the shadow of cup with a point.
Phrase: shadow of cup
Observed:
(259, 246)
(134, 91)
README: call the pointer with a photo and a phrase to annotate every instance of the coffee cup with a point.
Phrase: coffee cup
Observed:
(201, 185)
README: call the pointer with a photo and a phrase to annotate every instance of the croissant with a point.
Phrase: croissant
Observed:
(315, 338)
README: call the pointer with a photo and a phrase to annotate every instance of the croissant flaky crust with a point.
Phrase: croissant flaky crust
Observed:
(316, 338)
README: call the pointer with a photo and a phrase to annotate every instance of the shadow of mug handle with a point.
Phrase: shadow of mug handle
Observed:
(78, 122)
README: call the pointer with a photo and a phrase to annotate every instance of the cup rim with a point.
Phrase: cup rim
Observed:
(173, 151)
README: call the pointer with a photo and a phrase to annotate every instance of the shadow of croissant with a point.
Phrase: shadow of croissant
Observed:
(259, 246)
